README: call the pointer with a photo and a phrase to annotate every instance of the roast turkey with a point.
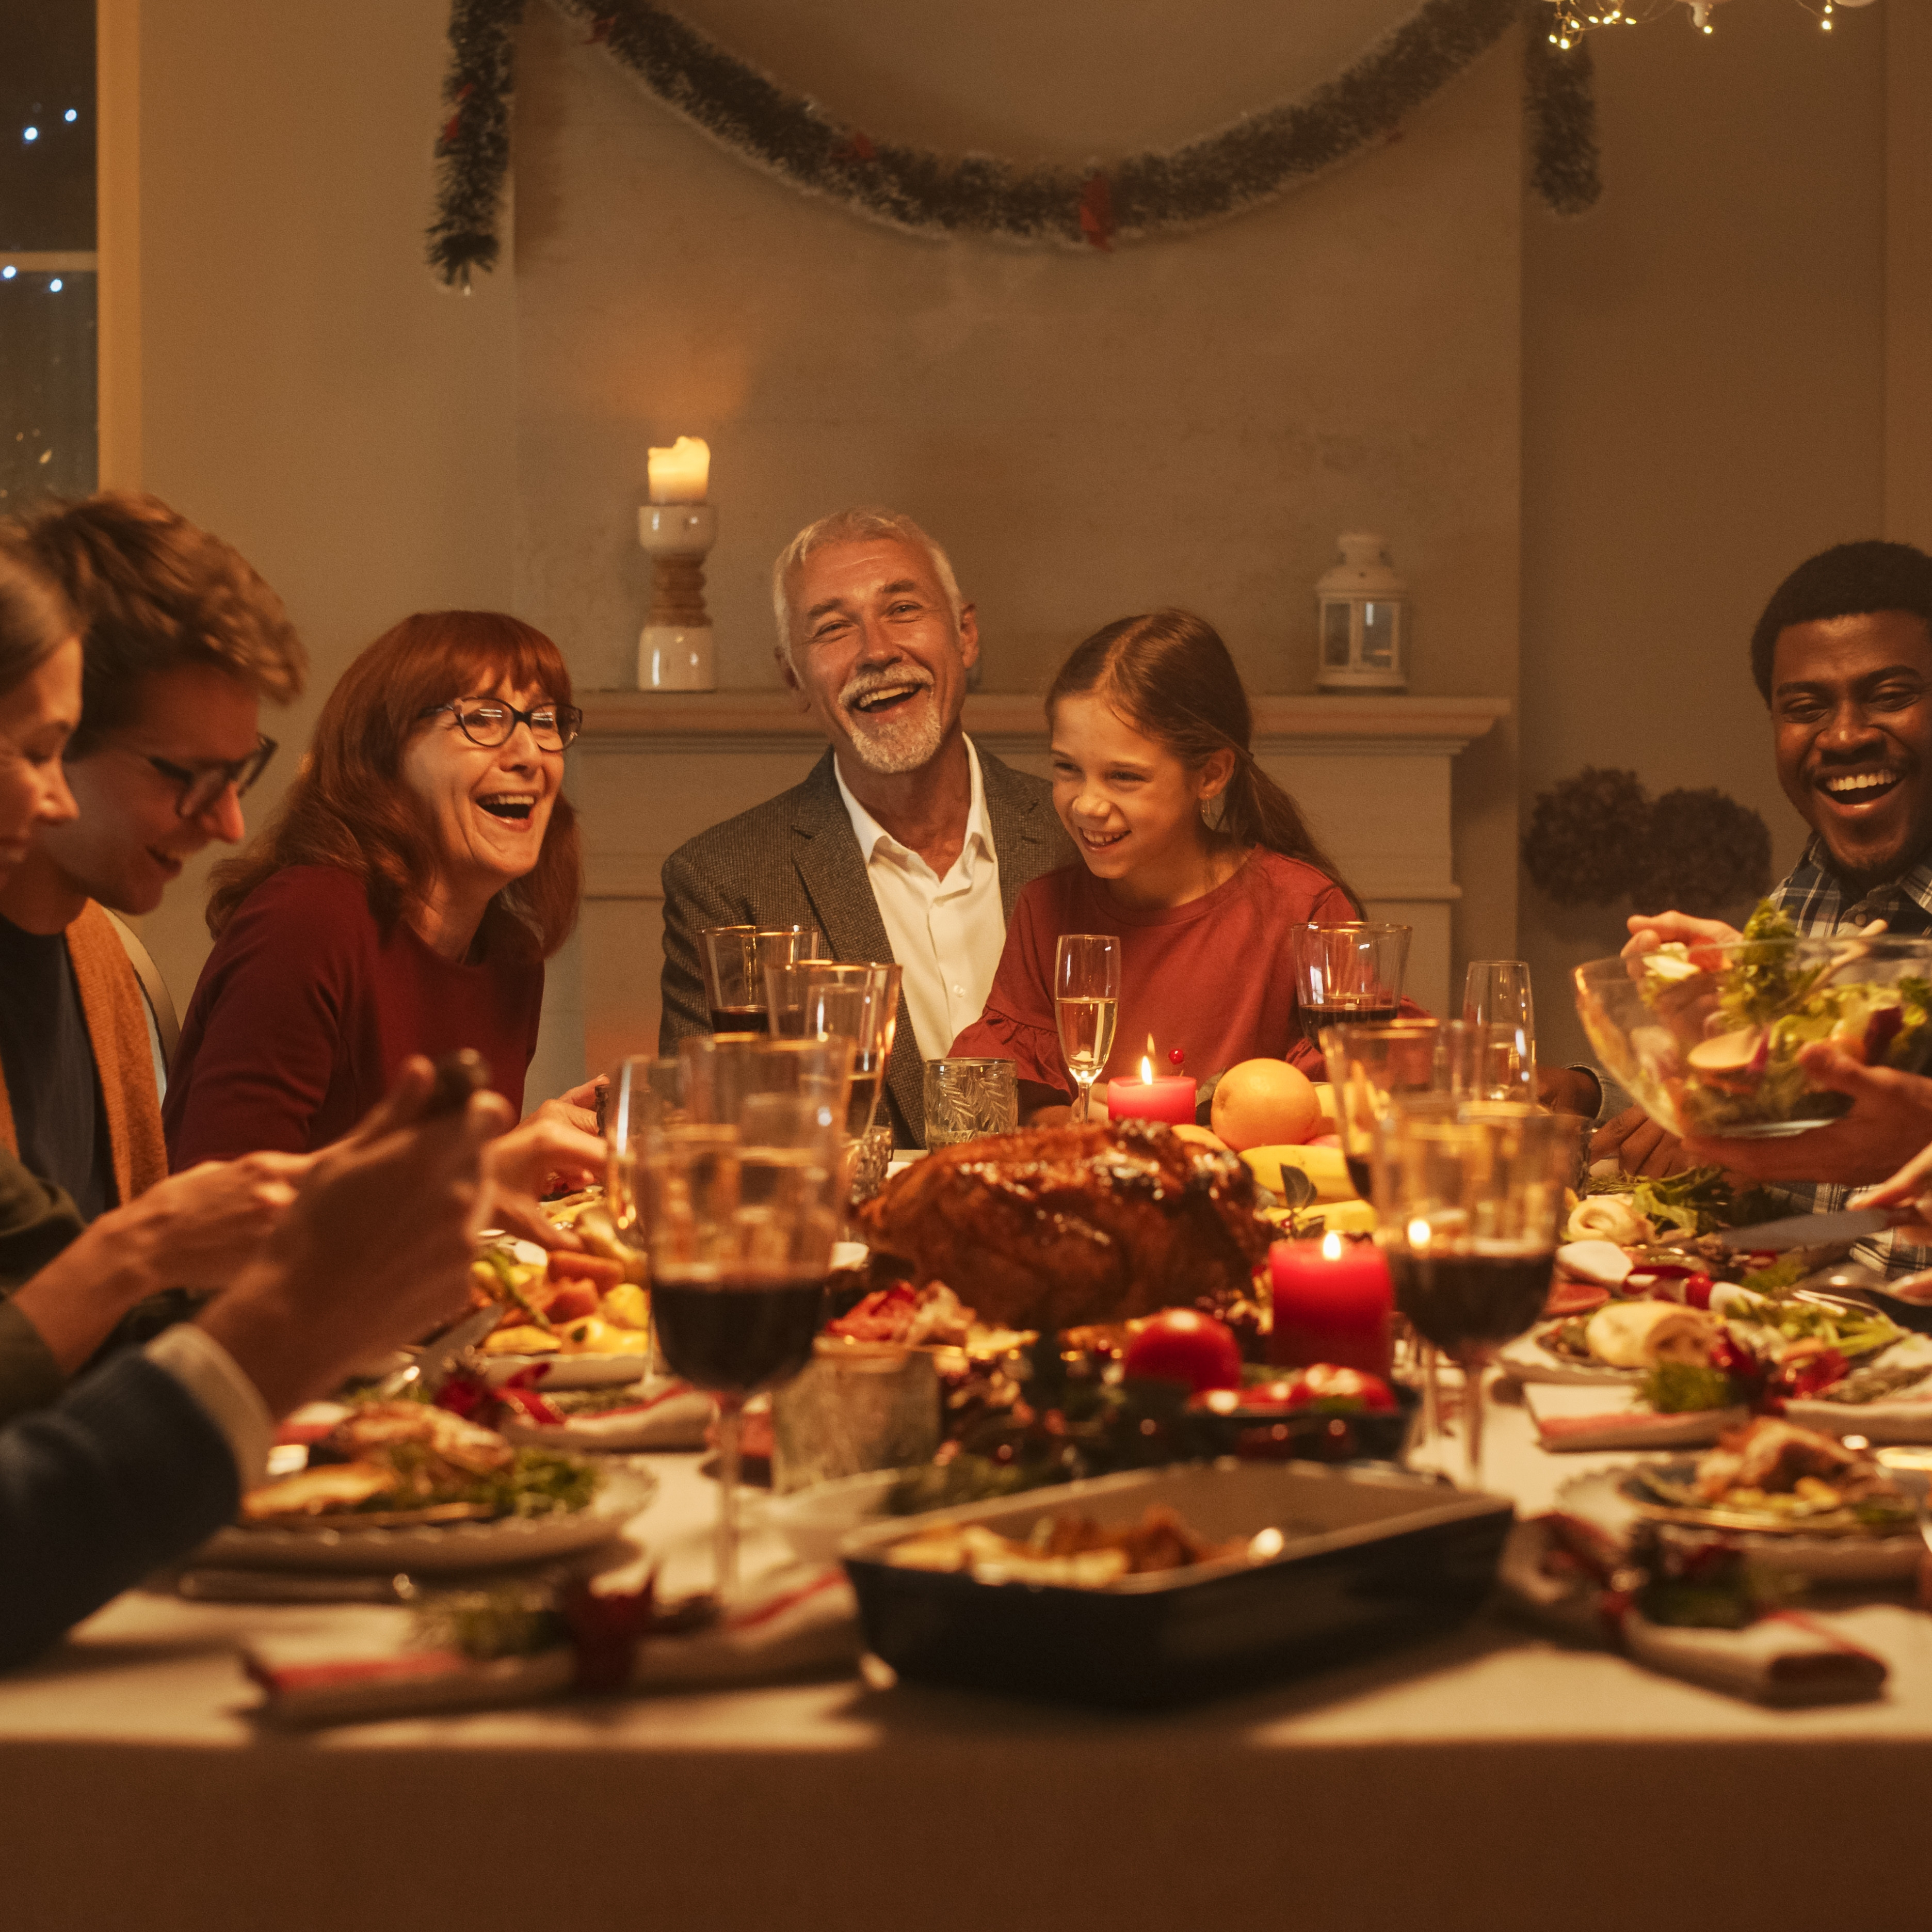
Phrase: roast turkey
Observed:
(1054, 1227)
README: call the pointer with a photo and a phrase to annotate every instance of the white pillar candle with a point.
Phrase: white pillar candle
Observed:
(680, 474)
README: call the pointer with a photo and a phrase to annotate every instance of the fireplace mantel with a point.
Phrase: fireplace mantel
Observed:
(718, 720)
(653, 768)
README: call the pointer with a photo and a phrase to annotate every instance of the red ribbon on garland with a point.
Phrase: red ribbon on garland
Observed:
(1097, 212)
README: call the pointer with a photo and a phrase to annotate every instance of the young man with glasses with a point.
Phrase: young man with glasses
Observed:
(181, 640)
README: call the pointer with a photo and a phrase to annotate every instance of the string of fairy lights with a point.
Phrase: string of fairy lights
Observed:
(1571, 21)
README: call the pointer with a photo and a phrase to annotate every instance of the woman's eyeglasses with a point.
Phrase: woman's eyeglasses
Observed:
(200, 785)
(490, 722)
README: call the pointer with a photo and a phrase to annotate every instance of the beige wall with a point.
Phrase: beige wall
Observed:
(1191, 421)
(306, 388)
(1699, 401)
(1703, 407)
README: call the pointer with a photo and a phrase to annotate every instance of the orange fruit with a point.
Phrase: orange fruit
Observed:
(1265, 1103)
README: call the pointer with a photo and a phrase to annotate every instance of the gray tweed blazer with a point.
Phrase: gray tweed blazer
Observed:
(795, 858)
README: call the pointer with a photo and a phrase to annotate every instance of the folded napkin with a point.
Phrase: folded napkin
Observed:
(1594, 1417)
(367, 1664)
(666, 1415)
(1785, 1658)
(1899, 1421)
(1571, 1577)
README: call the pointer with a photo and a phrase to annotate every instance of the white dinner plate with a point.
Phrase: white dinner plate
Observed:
(627, 1487)
(1599, 1497)
(1526, 1360)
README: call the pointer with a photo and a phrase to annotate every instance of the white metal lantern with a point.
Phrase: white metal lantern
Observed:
(1364, 609)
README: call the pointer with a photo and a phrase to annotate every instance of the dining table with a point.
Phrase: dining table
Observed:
(1492, 1779)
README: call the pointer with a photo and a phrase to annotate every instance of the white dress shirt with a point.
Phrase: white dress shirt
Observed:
(946, 933)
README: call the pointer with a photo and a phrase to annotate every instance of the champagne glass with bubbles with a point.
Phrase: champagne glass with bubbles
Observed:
(1086, 1005)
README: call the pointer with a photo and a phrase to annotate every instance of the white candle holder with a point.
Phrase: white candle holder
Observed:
(674, 650)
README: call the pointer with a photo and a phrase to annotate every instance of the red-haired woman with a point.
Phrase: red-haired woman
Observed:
(423, 866)
(1191, 853)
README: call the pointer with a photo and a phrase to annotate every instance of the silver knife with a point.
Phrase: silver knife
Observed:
(1807, 1230)
(437, 1361)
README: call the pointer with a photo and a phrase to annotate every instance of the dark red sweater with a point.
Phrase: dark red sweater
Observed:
(305, 1010)
(1211, 977)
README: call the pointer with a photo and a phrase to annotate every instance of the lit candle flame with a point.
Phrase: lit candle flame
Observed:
(1147, 1063)
(1331, 1247)
(1419, 1232)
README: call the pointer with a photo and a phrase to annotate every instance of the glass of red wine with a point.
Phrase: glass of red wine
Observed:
(739, 1206)
(1469, 1198)
(733, 959)
(1348, 973)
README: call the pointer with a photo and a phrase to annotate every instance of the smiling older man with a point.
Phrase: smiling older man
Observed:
(905, 841)
(1842, 655)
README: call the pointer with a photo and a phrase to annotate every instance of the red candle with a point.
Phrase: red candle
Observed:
(1171, 1099)
(1333, 1301)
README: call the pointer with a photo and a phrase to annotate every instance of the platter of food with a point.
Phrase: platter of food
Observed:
(1151, 1587)
(1707, 1037)
(407, 1487)
(1797, 1500)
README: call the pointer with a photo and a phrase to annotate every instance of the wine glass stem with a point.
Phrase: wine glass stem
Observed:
(1474, 1365)
(730, 1412)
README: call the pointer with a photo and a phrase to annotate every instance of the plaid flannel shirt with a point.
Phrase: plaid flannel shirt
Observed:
(1813, 895)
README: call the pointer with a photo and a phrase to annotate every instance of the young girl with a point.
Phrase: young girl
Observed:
(1192, 855)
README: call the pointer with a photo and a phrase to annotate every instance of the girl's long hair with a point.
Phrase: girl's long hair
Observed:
(350, 806)
(1168, 674)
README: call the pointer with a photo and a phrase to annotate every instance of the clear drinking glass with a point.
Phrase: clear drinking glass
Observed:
(1489, 1060)
(1373, 1068)
(1086, 1004)
(786, 987)
(1348, 973)
(1496, 993)
(968, 1099)
(1469, 1202)
(860, 1002)
(739, 1205)
(642, 1089)
(734, 957)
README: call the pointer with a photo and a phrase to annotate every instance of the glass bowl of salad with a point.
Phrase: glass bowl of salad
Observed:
(1707, 1037)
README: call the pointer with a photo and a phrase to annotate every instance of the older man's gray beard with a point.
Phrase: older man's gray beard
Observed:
(895, 742)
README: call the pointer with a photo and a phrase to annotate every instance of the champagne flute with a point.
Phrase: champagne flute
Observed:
(1086, 1005)
(1469, 1198)
(740, 1209)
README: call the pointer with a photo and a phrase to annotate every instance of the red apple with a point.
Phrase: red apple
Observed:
(1181, 1345)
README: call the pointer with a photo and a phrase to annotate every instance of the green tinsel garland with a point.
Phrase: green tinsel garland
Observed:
(924, 193)
(1561, 105)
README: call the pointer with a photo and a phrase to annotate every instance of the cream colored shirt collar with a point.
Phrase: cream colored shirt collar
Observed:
(869, 831)
(946, 933)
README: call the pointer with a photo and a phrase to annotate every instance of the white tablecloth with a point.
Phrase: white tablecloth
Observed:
(1491, 1780)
